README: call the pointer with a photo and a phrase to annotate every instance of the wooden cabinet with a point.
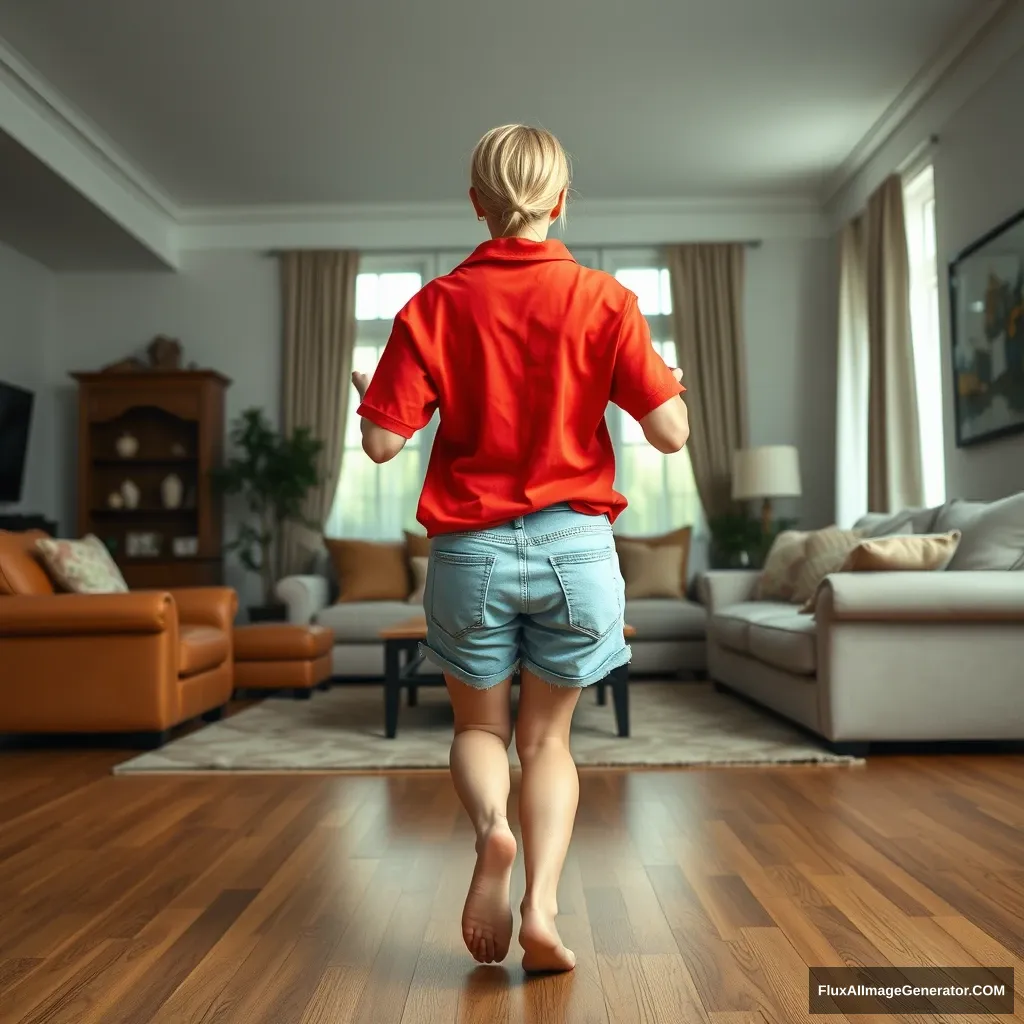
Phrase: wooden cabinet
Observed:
(148, 444)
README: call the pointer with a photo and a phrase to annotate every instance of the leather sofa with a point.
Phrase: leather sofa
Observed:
(138, 663)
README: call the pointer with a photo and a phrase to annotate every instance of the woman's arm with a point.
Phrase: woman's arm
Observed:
(380, 444)
(667, 428)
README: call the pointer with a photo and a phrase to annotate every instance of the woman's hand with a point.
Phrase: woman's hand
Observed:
(360, 381)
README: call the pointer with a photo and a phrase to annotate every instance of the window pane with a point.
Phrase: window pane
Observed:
(394, 291)
(666, 294)
(929, 230)
(646, 283)
(366, 296)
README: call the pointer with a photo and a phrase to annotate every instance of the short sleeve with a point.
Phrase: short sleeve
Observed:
(401, 396)
(641, 380)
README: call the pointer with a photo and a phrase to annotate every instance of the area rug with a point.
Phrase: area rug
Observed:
(672, 724)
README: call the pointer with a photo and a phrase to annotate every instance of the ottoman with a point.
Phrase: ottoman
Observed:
(282, 656)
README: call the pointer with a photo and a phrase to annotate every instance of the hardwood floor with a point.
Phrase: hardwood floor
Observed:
(689, 895)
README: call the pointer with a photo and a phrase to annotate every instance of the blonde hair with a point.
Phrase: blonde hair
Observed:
(518, 173)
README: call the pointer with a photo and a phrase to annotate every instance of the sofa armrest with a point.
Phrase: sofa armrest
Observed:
(207, 606)
(142, 612)
(304, 596)
(726, 587)
(922, 597)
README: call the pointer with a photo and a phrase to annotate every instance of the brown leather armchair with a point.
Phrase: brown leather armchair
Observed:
(136, 663)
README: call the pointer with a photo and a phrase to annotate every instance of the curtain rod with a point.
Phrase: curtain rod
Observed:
(749, 243)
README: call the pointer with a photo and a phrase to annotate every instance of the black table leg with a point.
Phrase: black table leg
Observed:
(602, 696)
(392, 686)
(619, 680)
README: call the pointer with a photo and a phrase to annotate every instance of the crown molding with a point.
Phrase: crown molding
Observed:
(379, 226)
(41, 120)
(937, 70)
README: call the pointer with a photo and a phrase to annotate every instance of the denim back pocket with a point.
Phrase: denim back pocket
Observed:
(593, 593)
(458, 590)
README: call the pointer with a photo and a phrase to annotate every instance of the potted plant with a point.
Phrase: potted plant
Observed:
(273, 474)
(738, 541)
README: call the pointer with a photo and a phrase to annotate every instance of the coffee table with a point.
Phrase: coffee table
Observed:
(402, 662)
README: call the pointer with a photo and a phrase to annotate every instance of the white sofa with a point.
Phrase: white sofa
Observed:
(670, 636)
(893, 656)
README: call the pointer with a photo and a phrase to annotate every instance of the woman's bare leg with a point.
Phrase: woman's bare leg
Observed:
(547, 810)
(479, 767)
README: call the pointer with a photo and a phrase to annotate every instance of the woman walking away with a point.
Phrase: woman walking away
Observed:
(520, 350)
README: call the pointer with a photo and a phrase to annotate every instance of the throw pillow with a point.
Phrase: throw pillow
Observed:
(993, 534)
(909, 520)
(419, 578)
(782, 567)
(81, 566)
(416, 545)
(909, 553)
(825, 553)
(679, 543)
(369, 570)
(651, 571)
(918, 553)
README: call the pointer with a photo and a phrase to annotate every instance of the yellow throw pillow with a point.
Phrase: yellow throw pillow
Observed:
(927, 552)
(651, 571)
(419, 579)
(416, 545)
(677, 540)
(824, 554)
(782, 567)
(370, 570)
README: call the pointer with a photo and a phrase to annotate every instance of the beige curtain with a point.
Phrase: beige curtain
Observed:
(852, 379)
(707, 304)
(895, 476)
(319, 299)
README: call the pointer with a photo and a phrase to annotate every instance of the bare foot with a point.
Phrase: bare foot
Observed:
(543, 951)
(487, 916)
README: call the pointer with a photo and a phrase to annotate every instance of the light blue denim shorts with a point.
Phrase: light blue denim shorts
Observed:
(543, 592)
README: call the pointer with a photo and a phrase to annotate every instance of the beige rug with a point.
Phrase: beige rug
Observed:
(343, 729)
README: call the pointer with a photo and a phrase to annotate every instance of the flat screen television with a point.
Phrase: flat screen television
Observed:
(15, 420)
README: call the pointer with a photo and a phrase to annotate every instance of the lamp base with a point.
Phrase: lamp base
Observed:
(767, 516)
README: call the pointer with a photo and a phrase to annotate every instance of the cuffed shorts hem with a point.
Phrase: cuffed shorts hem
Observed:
(621, 657)
(477, 682)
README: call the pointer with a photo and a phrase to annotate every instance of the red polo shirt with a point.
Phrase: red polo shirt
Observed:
(521, 349)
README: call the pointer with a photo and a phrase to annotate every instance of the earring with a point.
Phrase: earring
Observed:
(479, 218)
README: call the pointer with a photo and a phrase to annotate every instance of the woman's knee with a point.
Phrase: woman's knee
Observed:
(530, 745)
(501, 730)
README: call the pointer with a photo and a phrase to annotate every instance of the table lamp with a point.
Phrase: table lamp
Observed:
(770, 471)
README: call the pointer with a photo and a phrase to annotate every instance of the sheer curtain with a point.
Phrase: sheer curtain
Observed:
(379, 502)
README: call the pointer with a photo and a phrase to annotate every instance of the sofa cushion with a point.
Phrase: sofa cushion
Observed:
(731, 626)
(825, 554)
(362, 621)
(677, 539)
(81, 566)
(788, 641)
(992, 535)
(370, 570)
(202, 648)
(909, 520)
(782, 566)
(21, 573)
(666, 618)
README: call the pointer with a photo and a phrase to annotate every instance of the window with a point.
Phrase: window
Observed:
(919, 201)
(380, 501)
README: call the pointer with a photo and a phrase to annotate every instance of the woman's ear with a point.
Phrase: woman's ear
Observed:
(474, 199)
(559, 206)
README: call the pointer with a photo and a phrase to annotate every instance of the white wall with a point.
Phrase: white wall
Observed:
(223, 307)
(791, 363)
(979, 183)
(26, 292)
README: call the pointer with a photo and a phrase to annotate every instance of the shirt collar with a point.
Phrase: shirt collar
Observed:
(518, 249)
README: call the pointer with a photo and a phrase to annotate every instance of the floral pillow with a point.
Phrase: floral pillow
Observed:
(81, 566)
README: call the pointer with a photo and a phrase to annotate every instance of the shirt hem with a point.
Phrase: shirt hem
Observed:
(384, 421)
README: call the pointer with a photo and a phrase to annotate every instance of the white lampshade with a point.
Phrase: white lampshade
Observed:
(771, 471)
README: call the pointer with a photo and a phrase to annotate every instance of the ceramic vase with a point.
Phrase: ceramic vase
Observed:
(171, 491)
(130, 493)
(127, 446)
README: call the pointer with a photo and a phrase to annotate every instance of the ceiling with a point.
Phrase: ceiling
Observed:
(252, 102)
(45, 218)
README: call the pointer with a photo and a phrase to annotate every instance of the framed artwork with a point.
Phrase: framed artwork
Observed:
(986, 286)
